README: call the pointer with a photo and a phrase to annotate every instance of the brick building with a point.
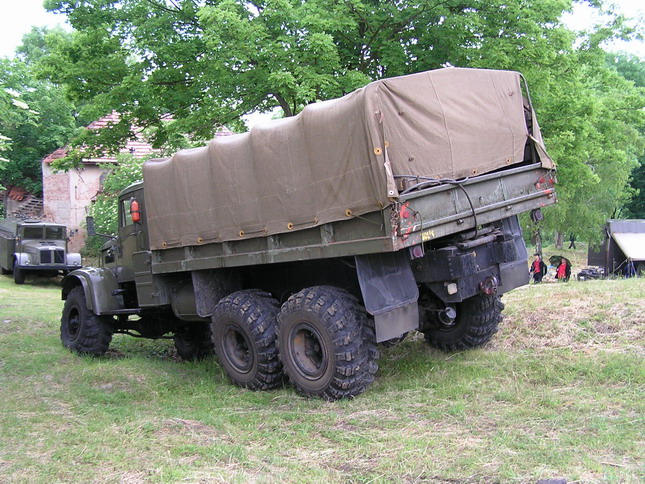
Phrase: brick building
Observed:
(67, 196)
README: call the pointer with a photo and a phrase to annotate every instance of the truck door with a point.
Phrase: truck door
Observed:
(131, 236)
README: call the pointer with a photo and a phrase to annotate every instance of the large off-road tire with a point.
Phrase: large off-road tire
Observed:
(81, 330)
(244, 335)
(326, 343)
(195, 343)
(477, 320)
(18, 275)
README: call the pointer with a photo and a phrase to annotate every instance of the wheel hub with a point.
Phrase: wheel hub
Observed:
(74, 324)
(308, 353)
(237, 350)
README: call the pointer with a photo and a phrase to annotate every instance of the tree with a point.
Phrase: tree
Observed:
(35, 116)
(14, 113)
(207, 62)
(632, 68)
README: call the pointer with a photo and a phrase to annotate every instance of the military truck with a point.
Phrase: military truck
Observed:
(32, 246)
(293, 250)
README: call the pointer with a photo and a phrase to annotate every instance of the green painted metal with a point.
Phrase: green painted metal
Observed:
(433, 213)
(102, 294)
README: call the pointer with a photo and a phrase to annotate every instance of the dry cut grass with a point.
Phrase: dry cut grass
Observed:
(608, 315)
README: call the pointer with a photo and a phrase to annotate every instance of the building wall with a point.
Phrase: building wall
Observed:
(67, 197)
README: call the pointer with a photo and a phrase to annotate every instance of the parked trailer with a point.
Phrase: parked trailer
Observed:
(292, 250)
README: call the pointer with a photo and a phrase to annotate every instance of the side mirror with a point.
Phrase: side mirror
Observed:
(91, 231)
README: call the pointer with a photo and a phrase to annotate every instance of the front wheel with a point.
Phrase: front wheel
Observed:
(244, 333)
(81, 330)
(18, 275)
(326, 344)
(477, 319)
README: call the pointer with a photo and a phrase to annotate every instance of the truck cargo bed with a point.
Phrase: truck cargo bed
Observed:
(432, 213)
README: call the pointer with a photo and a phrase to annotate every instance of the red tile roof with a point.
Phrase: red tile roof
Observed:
(17, 193)
(138, 147)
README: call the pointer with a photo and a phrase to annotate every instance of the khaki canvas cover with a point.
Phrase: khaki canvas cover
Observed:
(338, 158)
(632, 245)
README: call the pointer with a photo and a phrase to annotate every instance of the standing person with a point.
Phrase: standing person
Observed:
(561, 271)
(538, 269)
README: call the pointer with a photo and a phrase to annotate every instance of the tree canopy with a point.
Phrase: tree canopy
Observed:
(633, 69)
(35, 116)
(208, 62)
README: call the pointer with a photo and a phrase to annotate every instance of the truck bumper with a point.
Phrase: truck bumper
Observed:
(52, 268)
(492, 263)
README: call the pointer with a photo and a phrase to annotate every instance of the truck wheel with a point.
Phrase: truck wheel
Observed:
(326, 344)
(18, 275)
(475, 324)
(81, 330)
(194, 344)
(244, 333)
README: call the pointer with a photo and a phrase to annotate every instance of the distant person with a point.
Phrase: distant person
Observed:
(572, 241)
(538, 269)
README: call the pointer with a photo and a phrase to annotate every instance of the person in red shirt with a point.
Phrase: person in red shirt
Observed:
(538, 269)
(562, 274)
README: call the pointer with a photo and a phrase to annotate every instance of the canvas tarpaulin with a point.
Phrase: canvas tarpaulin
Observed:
(632, 245)
(338, 158)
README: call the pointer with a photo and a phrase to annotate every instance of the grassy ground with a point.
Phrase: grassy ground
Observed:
(557, 393)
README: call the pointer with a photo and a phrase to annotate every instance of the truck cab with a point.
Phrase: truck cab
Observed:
(34, 246)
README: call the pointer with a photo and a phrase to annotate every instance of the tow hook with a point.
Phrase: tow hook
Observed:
(489, 285)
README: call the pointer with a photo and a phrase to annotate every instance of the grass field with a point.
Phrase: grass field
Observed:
(558, 393)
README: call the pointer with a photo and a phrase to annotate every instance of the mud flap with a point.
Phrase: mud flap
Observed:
(390, 292)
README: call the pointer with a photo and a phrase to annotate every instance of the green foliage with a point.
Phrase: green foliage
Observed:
(105, 209)
(14, 113)
(34, 115)
(633, 69)
(209, 62)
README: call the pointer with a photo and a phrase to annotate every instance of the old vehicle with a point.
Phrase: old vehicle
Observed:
(292, 250)
(32, 246)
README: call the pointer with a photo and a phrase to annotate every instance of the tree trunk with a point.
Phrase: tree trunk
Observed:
(559, 240)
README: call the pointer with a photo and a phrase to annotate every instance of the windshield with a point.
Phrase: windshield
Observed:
(50, 233)
(32, 233)
(55, 233)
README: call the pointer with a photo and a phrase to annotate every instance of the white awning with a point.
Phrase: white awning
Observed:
(632, 244)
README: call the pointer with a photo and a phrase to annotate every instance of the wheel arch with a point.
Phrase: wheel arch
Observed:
(100, 286)
(21, 259)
